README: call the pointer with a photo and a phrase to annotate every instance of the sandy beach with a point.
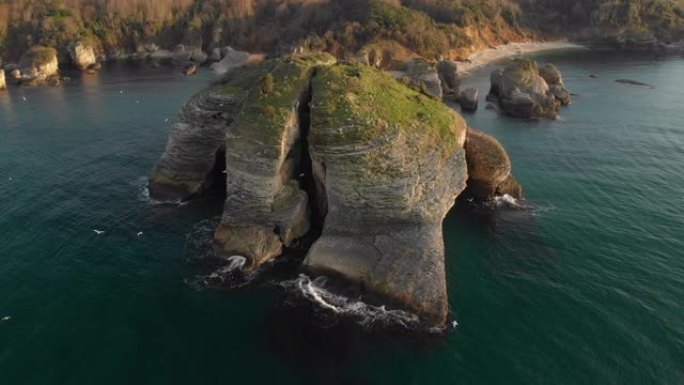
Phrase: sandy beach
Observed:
(482, 58)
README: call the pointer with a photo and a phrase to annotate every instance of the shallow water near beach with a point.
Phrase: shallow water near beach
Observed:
(581, 285)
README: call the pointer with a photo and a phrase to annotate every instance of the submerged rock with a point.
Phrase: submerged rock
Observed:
(38, 66)
(523, 90)
(634, 83)
(82, 56)
(304, 142)
(489, 168)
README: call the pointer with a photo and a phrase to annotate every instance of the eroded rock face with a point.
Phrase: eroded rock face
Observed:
(82, 56)
(523, 90)
(37, 66)
(391, 163)
(265, 209)
(489, 168)
(185, 166)
(383, 165)
(448, 75)
(3, 83)
(469, 99)
(422, 75)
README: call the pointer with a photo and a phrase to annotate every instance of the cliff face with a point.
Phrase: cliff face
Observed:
(391, 162)
(308, 140)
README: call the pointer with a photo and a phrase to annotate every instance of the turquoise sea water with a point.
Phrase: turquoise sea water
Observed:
(583, 286)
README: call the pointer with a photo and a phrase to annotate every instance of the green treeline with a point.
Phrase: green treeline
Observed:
(425, 27)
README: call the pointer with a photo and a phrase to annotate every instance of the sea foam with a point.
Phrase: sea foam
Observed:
(366, 314)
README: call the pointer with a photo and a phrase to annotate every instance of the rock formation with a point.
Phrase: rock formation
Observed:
(448, 75)
(553, 78)
(489, 168)
(469, 99)
(390, 162)
(37, 66)
(82, 56)
(304, 138)
(525, 91)
(422, 75)
(190, 69)
(3, 83)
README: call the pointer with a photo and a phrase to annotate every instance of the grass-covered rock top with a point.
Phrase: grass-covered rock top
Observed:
(365, 102)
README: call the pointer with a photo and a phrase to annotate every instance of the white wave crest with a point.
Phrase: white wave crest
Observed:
(341, 305)
(506, 200)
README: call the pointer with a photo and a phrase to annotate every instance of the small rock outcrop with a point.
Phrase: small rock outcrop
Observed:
(3, 83)
(523, 90)
(37, 66)
(190, 69)
(303, 138)
(489, 168)
(448, 75)
(231, 59)
(469, 99)
(422, 75)
(552, 75)
(82, 56)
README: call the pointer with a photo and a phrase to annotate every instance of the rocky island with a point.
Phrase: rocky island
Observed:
(305, 139)
(525, 90)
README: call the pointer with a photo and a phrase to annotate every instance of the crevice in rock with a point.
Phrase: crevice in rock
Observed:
(305, 171)
(215, 182)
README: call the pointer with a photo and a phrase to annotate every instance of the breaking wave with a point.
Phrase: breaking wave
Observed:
(144, 194)
(507, 200)
(366, 315)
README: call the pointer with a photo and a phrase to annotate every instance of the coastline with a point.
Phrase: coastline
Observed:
(487, 56)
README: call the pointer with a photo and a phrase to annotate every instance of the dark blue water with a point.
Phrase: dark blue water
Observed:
(584, 286)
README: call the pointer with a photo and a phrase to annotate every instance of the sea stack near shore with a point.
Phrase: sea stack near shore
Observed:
(306, 142)
(82, 56)
(37, 66)
(523, 90)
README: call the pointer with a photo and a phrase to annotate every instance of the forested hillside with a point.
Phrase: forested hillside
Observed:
(425, 27)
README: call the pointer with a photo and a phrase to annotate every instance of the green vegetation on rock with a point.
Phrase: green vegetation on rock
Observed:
(368, 102)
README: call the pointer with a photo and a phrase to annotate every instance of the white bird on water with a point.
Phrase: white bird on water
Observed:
(454, 324)
(6, 318)
(24, 98)
(99, 232)
(140, 233)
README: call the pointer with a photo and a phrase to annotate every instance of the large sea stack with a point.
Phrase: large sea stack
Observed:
(304, 140)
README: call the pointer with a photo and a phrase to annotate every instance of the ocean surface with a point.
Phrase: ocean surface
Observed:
(583, 283)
